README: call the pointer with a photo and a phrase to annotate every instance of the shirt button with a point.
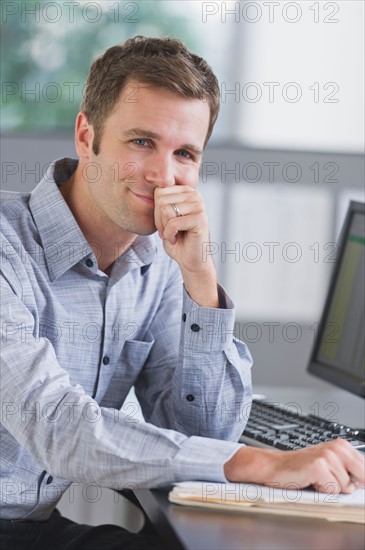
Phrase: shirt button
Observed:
(89, 262)
(106, 360)
(49, 480)
(195, 328)
(184, 317)
(190, 397)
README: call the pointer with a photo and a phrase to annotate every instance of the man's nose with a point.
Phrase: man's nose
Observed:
(160, 171)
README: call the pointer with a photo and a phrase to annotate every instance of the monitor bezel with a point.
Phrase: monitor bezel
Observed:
(330, 374)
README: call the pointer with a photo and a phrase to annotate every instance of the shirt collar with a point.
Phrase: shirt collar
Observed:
(63, 242)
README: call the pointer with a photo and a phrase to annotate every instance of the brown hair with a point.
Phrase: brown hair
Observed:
(159, 62)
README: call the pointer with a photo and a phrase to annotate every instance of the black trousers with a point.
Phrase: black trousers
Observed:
(59, 533)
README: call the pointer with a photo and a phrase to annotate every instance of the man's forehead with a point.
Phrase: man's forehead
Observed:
(142, 106)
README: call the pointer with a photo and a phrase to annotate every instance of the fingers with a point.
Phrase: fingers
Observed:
(337, 467)
(190, 206)
(353, 461)
(332, 467)
(332, 476)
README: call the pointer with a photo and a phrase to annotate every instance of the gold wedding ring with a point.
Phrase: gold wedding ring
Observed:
(176, 209)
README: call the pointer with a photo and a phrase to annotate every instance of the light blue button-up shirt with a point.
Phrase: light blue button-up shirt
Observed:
(75, 340)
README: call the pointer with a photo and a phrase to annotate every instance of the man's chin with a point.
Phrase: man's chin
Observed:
(145, 231)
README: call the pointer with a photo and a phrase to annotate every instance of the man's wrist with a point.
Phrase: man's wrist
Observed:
(202, 289)
(250, 465)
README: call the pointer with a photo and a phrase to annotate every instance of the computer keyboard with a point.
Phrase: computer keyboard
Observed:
(272, 425)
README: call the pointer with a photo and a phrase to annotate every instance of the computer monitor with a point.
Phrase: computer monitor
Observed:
(338, 352)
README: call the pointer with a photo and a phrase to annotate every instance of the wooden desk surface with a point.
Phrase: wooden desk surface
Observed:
(198, 529)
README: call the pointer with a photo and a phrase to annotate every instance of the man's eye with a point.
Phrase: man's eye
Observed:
(142, 142)
(184, 154)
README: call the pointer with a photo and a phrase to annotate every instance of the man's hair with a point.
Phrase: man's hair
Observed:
(158, 62)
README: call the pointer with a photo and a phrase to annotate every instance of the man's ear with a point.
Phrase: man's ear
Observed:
(84, 136)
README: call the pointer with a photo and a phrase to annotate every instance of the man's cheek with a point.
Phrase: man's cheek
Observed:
(128, 171)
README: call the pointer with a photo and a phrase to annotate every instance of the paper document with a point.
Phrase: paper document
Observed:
(290, 500)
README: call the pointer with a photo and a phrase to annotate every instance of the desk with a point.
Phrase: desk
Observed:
(185, 528)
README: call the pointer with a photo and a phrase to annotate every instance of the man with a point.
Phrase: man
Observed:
(95, 302)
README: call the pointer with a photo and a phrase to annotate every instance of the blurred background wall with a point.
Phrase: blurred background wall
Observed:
(284, 161)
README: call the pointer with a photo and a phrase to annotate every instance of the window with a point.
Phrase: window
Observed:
(301, 76)
(48, 48)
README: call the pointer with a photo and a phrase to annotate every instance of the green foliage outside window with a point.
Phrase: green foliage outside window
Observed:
(47, 49)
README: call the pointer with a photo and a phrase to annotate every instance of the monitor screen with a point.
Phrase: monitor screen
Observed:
(338, 353)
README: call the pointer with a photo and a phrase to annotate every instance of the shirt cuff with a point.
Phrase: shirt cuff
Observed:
(203, 459)
(208, 329)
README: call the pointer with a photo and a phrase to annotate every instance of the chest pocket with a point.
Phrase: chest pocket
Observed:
(131, 361)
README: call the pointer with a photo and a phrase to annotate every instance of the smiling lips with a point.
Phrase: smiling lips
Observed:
(148, 199)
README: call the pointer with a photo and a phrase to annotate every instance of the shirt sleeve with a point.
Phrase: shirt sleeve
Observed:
(200, 384)
(67, 433)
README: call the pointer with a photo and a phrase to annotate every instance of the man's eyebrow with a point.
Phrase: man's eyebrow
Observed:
(133, 132)
(138, 132)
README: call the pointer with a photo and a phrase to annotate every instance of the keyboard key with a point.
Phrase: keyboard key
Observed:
(283, 427)
(284, 446)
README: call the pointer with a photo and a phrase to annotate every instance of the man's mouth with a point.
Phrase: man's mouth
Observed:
(148, 199)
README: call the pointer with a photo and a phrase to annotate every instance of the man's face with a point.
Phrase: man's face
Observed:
(153, 138)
